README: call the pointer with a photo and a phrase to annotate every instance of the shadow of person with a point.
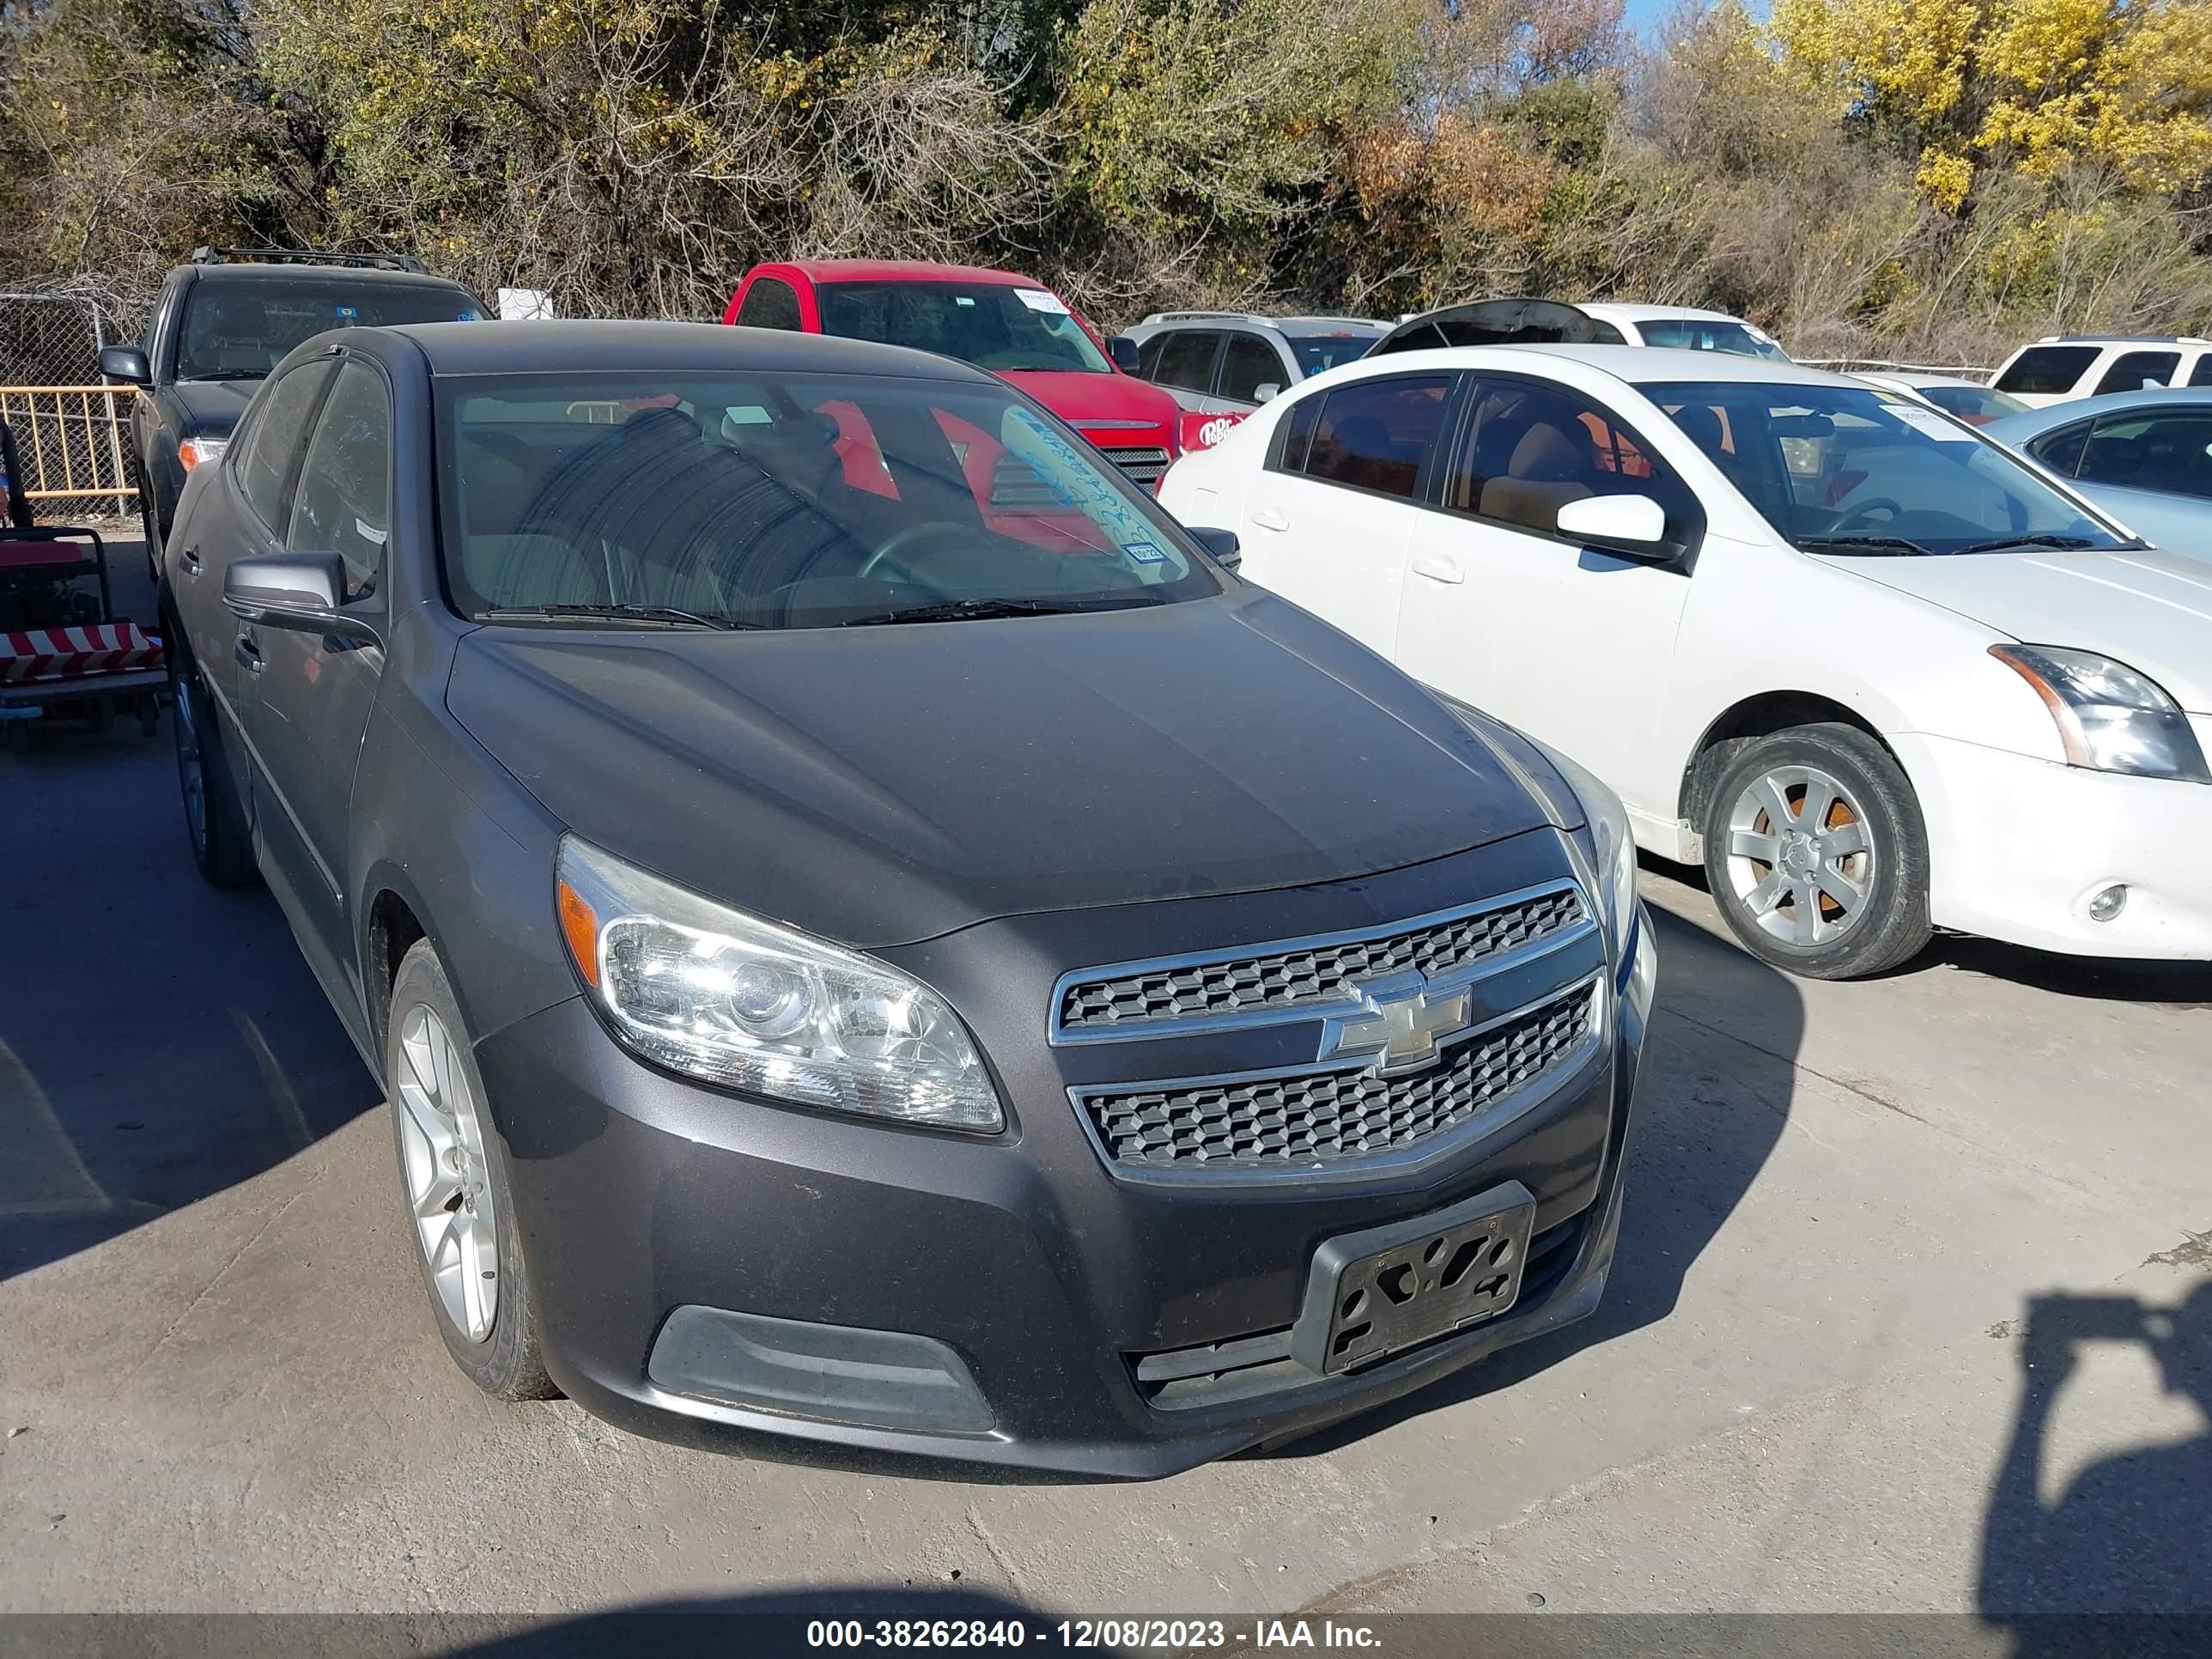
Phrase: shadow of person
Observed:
(2129, 1534)
(1719, 1075)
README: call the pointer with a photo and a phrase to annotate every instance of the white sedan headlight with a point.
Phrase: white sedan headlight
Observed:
(744, 1002)
(2110, 717)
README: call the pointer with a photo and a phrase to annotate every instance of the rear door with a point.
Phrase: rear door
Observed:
(1328, 519)
(232, 519)
(1184, 368)
(1571, 644)
(1252, 372)
(311, 694)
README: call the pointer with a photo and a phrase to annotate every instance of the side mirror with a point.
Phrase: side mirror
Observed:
(1123, 350)
(1634, 526)
(126, 363)
(1221, 546)
(304, 592)
(1266, 391)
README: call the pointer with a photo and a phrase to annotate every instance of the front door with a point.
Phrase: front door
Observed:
(1572, 645)
(311, 693)
(1328, 521)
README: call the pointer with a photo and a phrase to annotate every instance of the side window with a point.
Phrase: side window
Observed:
(344, 501)
(1148, 356)
(1528, 450)
(279, 434)
(2061, 451)
(1375, 435)
(1604, 333)
(2170, 453)
(2131, 371)
(769, 304)
(1249, 363)
(1296, 437)
(1187, 361)
(2048, 371)
(2201, 374)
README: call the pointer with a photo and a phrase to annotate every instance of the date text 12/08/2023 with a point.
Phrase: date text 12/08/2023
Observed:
(1123, 1635)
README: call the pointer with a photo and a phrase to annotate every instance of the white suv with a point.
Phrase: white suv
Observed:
(1875, 671)
(1230, 363)
(2058, 367)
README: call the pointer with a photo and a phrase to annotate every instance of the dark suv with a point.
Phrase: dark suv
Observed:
(871, 931)
(222, 322)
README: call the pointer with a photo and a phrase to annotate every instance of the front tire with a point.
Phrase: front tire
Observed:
(452, 1166)
(222, 849)
(1817, 854)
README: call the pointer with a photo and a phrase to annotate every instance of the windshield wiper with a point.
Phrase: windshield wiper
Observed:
(964, 611)
(1872, 543)
(227, 374)
(2003, 542)
(665, 616)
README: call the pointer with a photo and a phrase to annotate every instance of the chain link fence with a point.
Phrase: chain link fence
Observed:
(69, 425)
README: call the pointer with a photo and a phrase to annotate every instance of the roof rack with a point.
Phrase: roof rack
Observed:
(2124, 339)
(306, 256)
(1205, 317)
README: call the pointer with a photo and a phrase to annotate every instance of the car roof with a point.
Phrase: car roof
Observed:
(2029, 422)
(1637, 365)
(302, 271)
(904, 271)
(1297, 327)
(556, 346)
(1907, 378)
(1641, 313)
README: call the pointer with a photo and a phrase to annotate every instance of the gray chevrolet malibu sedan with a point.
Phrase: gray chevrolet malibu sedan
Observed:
(870, 931)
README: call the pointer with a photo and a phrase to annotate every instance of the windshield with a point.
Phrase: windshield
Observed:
(1317, 352)
(1838, 469)
(241, 330)
(785, 502)
(993, 325)
(1977, 406)
(1710, 334)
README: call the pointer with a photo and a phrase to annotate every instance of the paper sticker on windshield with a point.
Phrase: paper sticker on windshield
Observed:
(1037, 300)
(1146, 552)
(1935, 426)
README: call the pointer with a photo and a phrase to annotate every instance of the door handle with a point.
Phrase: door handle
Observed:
(247, 653)
(1439, 570)
(1270, 518)
(190, 559)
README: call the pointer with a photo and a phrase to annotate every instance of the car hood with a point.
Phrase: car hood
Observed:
(880, 786)
(2149, 608)
(1078, 399)
(213, 406)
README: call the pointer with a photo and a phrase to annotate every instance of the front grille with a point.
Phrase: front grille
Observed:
(1146, 465)
(1239, 985)
(1259, 1122)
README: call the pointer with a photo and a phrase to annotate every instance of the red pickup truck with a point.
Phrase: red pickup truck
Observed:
(1000, 320)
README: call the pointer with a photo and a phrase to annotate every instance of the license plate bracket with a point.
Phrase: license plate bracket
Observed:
(1371, 1293)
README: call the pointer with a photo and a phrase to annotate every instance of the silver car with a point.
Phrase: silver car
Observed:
(1230, 363)
(2145, 457)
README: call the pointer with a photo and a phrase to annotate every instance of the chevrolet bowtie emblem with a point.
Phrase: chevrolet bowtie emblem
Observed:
(1400, 1022)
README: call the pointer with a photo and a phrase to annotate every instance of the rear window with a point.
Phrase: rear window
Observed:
(1977, 406)
(2046, 371)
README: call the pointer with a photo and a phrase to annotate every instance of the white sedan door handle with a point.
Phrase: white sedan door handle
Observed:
(1438, 570)
(1270, 518)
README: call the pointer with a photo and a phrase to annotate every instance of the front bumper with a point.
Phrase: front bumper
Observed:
(639, 1195)
(2018, 848)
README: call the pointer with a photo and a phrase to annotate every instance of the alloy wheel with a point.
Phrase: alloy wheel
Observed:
(443, 1158)
(1801, 858)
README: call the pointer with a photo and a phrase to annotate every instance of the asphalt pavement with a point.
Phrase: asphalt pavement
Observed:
(1914, 1299)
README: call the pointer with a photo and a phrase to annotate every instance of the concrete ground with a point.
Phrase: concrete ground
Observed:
(1912, 1303)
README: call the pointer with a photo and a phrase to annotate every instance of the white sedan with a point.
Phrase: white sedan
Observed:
(1876, 673)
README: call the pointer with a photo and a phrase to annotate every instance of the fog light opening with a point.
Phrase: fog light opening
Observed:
(2107, 904)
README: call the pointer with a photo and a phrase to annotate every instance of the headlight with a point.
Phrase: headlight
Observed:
(1613, 848)
(2110, 717)
(710, 991)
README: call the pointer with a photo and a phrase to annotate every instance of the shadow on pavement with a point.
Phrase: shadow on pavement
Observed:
(158, 1041)
(2128, 1534)
(1717, 1083)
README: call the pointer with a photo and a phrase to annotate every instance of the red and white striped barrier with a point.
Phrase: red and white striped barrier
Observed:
(61, 653)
